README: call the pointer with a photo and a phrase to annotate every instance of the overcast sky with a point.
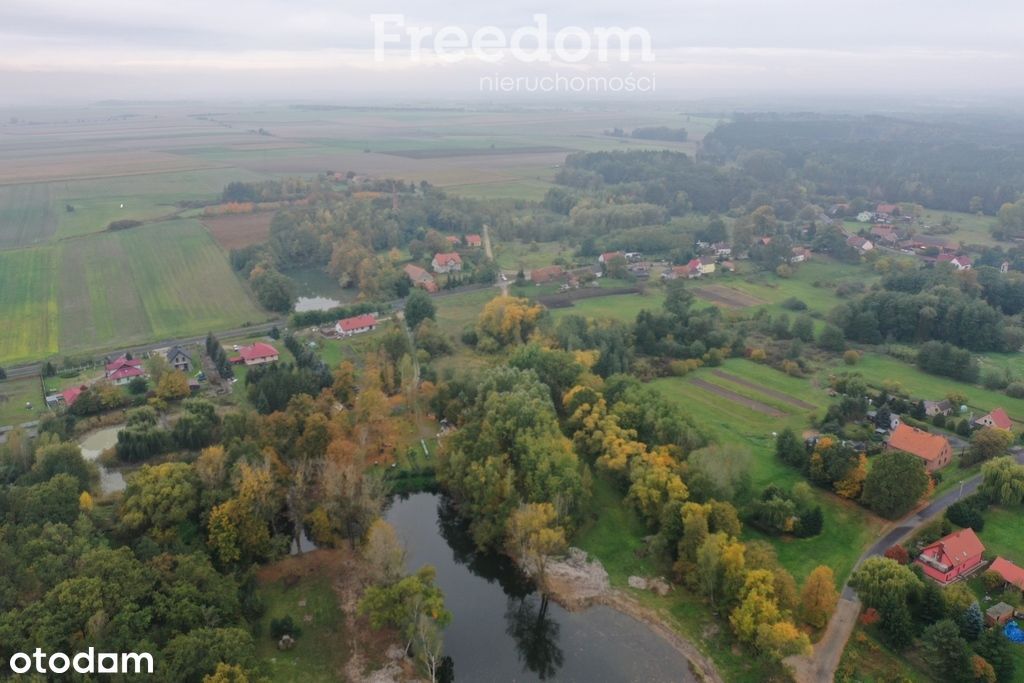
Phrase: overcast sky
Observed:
(53, 50)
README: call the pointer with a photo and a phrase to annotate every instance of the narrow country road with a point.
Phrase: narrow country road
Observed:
(822, 664)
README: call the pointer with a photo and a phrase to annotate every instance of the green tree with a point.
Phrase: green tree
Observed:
(880, 579)
(896, 482)
(159, 497)
(987, 443)
(790, 449)
(1003, 480)
(419, 307)
(946, 653)
(997, 651)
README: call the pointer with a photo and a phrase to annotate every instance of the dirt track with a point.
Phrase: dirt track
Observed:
(774, 393)
(756, 406)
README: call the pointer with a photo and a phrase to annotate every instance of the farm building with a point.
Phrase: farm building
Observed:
(356, 325)
(420, 278)
(1011, 573)
(951, 557)
(547, 274)
(178, 359)
(123, 370)
(933, 449)
(449, 262)
(256, 354)
(997, 419)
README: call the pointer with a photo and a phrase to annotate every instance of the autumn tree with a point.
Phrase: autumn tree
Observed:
(384, 552)
(533, 535)
(987, 443)
(507, 321)
(819, 597)
(173, 386)
(158, 498)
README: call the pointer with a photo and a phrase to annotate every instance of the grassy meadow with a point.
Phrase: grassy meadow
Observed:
(28, 304)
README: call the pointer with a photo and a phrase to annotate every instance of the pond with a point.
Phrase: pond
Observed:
(501, 630)
(315, 303)
(318, 291)
(111, 480)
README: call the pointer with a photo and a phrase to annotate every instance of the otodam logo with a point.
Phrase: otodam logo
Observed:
(86, 662)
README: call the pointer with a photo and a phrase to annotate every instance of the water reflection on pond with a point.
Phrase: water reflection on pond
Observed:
(503, 631)
(315, 303)
(111, 480)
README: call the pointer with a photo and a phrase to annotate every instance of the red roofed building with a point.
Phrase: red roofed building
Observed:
(609, 255)
(356, 325)
(997, 419)
(474, 241)
(958, 262)
(453, 240)
(420, 278)
(887, 209)
(953, 556)
(123, 370)
(256, 354)
(71, 395)
(1011, 573)
(933, 449)
(539, 276)
(449, 262)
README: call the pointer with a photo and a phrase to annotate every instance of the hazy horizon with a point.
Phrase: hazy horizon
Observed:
(58, 51)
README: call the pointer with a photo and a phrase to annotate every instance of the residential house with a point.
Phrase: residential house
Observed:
(1011, 573)
(998, 614)
(420, 277)
(864, 216)
(546, 274)
(453, 240)
(707, 265)
(958, 262)
(952, 557)
(474, 241)
(887, 209)
(860, 243)
(933, 408)
(608, 256)
(179, 359)
(722, 249)
(256, 354)
(449, 262)
(800, 254)
(932, 449)
(71, 395)
(124, 370)
(694, 268)
(356, 325)
(885, 234)
(997, 419)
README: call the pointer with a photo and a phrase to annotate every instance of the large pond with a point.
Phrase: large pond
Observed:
(111, 480)
(499, 630)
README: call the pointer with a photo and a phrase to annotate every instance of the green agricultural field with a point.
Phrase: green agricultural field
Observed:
(156, 282)
(848, 527)
(970, 228)
(15, 394)
(812, 282)
(515, 255)
(26, 215)
(457, 311)
(877, 368)
(622, 307)
(28, 304)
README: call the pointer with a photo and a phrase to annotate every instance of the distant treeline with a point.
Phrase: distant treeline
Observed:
(267, 190)
(939, 164)
(306, 318)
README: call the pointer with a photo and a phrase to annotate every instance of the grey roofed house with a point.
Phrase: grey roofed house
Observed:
(178, 359)
(933, 408)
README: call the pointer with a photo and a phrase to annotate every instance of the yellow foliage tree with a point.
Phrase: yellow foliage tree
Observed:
(507, 320)
(533, 534)
(852, 484)
(85, 503)
(757, 606)
(819, 597)
(173, 386)
(655, 483)
(782, 639)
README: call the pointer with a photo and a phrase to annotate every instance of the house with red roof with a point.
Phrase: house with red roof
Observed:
(71, 395)
(539, 276)
(606, 257)
(997, 419)
(859, 243)
(453, 240)
(256, 354)
(932, 449)
(952, 557)
(887, 209)
(123, 370)
(420, 277)
(958, 262)
(474, 241)
(356, 325)
(449, 262)
(1011, 573)
(885, 233)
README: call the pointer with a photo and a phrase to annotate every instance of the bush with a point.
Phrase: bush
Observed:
(285, 626)
(851, 357)
(965, 515)
(1015, 389)
(994, 378)
(794, 304)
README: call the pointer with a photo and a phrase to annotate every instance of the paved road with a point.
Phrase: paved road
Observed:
(822, 664)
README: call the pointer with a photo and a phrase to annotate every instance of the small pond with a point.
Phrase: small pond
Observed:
(111, 480)
(502, 631)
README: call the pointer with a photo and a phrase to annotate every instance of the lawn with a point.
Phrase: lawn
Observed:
(970, 228)
(848, 527)
(622, 307)
(321, 649)
(878, 368)
(458, 311)
(812, 282)
(156, 282)
(26, 215)
(14, 395)
(528, 256)
(28, 304)
(1004, 534)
